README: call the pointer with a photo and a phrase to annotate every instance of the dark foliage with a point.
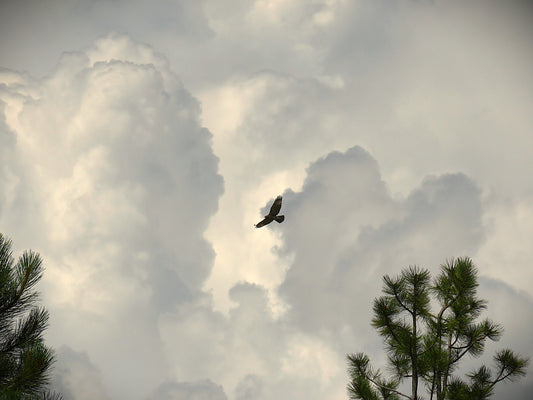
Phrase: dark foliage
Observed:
(425, 346)
(25, 360)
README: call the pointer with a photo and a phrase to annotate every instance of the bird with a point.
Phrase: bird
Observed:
(272, 214)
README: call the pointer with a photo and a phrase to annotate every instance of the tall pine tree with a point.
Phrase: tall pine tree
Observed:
(426, 346)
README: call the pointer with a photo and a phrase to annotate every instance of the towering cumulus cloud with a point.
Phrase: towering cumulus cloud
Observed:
(347, 231)
(343, 232)
(107, 171)
(117, 178)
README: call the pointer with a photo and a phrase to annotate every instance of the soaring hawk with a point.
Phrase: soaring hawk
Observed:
(273, 214)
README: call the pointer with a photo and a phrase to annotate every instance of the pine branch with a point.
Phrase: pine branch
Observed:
(400, 302)
(23, 283)
(438, 320)
(387, 388)
(500, 376)
(467, 348)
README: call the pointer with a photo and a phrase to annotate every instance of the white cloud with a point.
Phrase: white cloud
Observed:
(121, 177)
(107, 171)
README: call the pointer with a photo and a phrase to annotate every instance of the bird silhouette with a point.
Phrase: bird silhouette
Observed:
(273, 214)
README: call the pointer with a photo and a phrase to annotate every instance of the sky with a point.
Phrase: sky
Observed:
(140, 141)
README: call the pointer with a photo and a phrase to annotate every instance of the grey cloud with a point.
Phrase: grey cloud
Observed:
(200, 390)
(87, 20)
(345, 232)
(253, 321)
(75, 377)
(513, 309)
(253, 354)
(363, 233)
(249, 388)
(423, 75)
(17, 197)
(239, 340)
(516, 391)
(340, 260)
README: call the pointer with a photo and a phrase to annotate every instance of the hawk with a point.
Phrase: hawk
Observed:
(273, 214)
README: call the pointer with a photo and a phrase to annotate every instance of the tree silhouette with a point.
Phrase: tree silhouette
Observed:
(426, 346)
(25, 361)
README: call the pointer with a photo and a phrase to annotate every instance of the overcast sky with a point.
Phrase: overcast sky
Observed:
(141, 140)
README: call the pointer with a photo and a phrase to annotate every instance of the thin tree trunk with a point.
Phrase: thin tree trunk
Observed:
(445, 379)
(414, 359)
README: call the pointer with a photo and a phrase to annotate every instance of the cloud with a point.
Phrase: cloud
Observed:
(249, 388)
(507, 246)
(394, 91)
(180, 21)
(107, 170)
(201, 390)
(7, 144)
(75, 377)
(513, 309)
(345, 231)
(252, 354)
(123, 181)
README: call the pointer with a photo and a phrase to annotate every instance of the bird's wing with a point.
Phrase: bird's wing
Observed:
(276, 207)
(264, 222)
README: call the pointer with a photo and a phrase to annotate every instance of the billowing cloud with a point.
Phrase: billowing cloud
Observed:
(457, 83)
(123, 181)
(75, 377)
(251, 352)
(108, 168)
(346, 231)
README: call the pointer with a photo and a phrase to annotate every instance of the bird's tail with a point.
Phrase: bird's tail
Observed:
(279, 218)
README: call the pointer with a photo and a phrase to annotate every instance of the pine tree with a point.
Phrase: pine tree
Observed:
(25, 360)
(425, 346)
